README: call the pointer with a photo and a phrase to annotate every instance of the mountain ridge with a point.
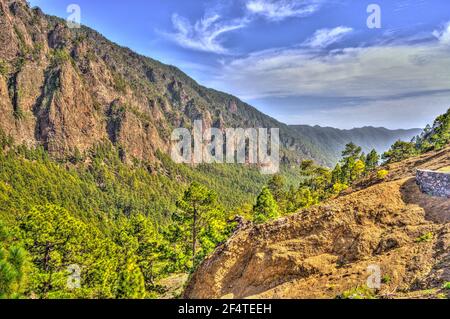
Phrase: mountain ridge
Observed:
(332, 140)
(70, 89)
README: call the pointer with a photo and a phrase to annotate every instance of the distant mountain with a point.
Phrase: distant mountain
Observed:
(331, 141)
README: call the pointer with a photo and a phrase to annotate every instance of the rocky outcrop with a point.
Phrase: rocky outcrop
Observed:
(232, 106)
(434, 183)
(325, 250)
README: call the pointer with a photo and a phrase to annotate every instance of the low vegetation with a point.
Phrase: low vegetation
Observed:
(425, 238)
(362, 292)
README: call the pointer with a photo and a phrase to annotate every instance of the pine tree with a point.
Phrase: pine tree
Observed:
(351, 156)
(399, 151)
(351, 151)
(131, 284)
(357, 170)
(196, 202)
(276, 187)
(13, 266)
(266, 207)
(372, 160)
(336, 175)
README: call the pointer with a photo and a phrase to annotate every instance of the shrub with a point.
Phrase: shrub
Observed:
(386, 279)
(382, 174)
(362, 292)
(339, 187)
(119, 83)
(425, 238)
(60, 56)
(3, 68)
(446, 285)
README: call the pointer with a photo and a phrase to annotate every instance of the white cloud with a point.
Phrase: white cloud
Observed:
(444, 35)
(380, 72)
(277, 10)
(393, 86)
(325, 37)
(206, 33)
(203, 35)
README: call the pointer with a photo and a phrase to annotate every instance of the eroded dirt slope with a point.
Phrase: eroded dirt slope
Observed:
(325, 250)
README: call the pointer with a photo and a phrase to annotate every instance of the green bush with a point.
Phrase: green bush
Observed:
(119, 83)
(60, 56)
(425, 238)
(382, 174)
(362, 292)
(446, 285)
(386, 279)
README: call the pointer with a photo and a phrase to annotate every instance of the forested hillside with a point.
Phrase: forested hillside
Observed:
(70, 89)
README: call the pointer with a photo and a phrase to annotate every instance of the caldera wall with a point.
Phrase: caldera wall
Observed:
(434, 183)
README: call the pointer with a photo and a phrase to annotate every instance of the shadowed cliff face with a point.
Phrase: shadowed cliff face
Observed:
(69, 89)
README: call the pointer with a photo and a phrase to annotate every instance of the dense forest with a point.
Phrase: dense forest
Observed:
(126, 225)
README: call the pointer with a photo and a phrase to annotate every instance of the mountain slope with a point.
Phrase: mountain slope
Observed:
(326, 250)
(70, 89)
(332, 141)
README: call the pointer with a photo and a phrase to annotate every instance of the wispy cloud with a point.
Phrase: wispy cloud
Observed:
(277, 10)
(378, 72)
(324, 37)
(387, 85)
(443, 35)
(205, 34)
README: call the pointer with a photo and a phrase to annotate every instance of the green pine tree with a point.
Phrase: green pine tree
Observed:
(372, 160)
(195, 204)
(266, 207)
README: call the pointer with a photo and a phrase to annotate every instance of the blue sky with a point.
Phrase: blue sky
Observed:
(301, 61)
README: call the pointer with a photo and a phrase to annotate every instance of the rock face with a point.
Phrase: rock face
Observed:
(434, 183)
(323, 251)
